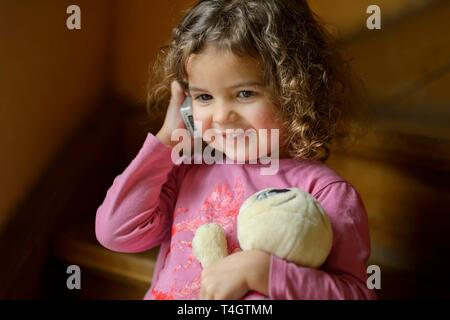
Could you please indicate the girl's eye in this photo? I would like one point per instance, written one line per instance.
(203, 97)
(245, 94)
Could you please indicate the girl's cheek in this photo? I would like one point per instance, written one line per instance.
(263, 119)
(202, 117)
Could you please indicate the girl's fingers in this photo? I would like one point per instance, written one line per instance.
(173, 118)
(204, 294)
(177, 94)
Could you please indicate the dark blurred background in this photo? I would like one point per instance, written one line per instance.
(72, 116)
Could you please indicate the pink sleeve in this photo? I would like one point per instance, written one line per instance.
(137, 211)
(343, 275)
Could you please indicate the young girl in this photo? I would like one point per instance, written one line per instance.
(247, 65)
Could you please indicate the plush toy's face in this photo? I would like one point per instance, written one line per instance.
(270, 192)
(288, 223)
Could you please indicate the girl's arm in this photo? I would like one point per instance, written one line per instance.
(343, 276)
(137, 211)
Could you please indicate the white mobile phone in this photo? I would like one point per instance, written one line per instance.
(186, 114)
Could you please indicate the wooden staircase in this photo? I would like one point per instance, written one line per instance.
(105, 274)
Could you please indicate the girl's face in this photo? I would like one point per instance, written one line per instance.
(227, 93)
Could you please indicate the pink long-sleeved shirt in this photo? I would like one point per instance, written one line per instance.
(156, 202)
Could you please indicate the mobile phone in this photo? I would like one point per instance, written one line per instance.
(186, 114)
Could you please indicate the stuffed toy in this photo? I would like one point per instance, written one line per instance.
(288, 223)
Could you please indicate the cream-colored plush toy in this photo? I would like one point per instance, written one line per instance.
(288, 223)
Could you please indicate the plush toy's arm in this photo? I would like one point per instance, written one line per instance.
(343, 276)
(209, 244)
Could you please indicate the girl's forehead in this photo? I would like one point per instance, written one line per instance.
(212, 57)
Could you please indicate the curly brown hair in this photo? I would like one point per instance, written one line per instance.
(303, 70)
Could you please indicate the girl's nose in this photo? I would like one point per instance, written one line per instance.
(223, 114)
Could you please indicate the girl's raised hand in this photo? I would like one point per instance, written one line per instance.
(173, 118)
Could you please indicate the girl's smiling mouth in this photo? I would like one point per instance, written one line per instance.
(232, 133)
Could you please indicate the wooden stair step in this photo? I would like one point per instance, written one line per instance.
(79, 246)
